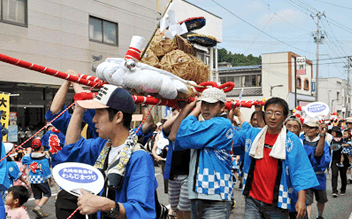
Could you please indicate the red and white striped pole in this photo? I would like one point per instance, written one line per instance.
(81, 79)
(94, 81)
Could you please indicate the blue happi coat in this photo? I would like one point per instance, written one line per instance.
(319, 163)
(39, 168)
(297, 172)
(213, 140)
(62, 122)
(4, 179)
(14, 171)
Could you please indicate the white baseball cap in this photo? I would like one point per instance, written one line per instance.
(213, 95)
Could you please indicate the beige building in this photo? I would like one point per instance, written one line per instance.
(279, 69)
(63, 35)
(334, 92)
(273, 78)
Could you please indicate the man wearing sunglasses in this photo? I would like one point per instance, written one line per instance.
(318, 153)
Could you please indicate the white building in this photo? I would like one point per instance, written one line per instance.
(273, 78)
(334, 92)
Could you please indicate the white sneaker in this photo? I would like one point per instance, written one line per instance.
(335, 195)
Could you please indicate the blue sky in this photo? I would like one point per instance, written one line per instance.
(288, 21)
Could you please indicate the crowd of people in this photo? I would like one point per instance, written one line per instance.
(202, 149)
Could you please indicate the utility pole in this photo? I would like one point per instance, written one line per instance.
(296, 104)
(349, 87)
(318, 39)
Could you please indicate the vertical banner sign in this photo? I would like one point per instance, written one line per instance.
(5, 111)
(301, 65)
(12, 136)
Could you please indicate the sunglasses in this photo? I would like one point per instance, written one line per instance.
(348, 123)
(309, 127)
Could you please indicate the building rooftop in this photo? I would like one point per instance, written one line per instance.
(240, 67)
(255, 91)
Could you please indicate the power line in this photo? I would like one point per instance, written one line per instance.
(309, 10)
(334, 5)
(264, 42)
(334, 34)
(336, 45)
(259, 34)
(297, 8)
(340, 26)
(282, 63)
(334, 64)
(269, 6)
(258, 28)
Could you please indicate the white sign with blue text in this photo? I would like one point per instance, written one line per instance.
(73, 176)
(317, 109)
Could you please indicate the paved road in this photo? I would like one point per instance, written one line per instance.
(336, 208)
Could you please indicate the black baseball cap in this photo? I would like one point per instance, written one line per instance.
(111, 96)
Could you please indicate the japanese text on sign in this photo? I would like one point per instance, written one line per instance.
(78, 175)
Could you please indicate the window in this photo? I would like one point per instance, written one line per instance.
(243, 81)
(298, 82)
(225, 79)
(306, 84)
(338, 97)
(237, 81)
(251, 81)
(103, 31)
(13, 12)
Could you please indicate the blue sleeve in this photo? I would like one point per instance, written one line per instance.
(3, 173)
(241, 136)
(60, 123)
(62, 138)
(26, 160)
(2, 209)
(140, 188)
(139, 133)
(44, 140)
(321, 163)
(46, 168)
(302, 175)
(168, 157)
(3, 169)
(14, 171)
(83, 151)
(214, 133)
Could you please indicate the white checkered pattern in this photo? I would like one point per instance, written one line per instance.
(214, 184)
(284, 197)
(36, 179)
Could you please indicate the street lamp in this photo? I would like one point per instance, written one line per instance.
(272, 87)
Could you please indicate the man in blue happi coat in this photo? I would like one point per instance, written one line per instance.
(319, 156)
(275, 162)
(130, 187)
(210, 178)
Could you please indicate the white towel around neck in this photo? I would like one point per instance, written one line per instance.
(278, 150)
